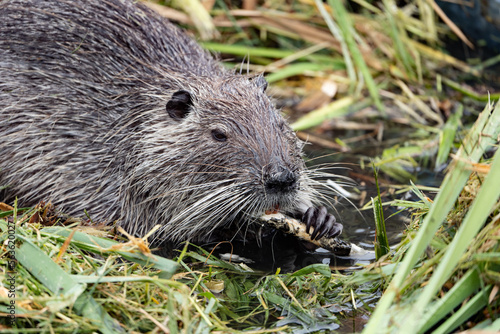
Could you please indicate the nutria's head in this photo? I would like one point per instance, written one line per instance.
(220, 151)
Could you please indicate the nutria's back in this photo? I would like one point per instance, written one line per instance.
(116, 35)
(106, 107)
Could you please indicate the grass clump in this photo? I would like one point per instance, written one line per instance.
(96, 284)
(66, 280)
(434, 263)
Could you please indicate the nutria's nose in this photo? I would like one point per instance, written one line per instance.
(282, 181)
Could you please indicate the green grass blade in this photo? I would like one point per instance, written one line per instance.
(241, 50)
(316, 117)
(347, 28)
(423, 198)
(90, 309)
(334, 29)
(104, 246)
(474, 220)
(441, 308)
(381, 242)
(47, 271)
(199, 15)
(11, 212)
(467, 92)
(381, 247)
(482, 135)
(62, 284)
(395, 161)
(319, 268)
(447, 136)
(495, 326)
(396, 34)
(295, 69)
(474, 305)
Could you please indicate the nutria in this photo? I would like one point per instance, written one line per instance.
(109, 108)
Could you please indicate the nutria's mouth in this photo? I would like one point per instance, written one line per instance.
(273, 210)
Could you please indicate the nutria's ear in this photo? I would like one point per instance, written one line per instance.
(179, 105)
(260, 82)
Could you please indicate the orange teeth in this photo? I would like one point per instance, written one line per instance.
(274, 210)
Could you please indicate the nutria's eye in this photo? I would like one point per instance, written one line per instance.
(219, 135)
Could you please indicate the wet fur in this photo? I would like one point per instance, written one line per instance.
(83, 122)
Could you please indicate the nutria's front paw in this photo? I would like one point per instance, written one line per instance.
(324, 224)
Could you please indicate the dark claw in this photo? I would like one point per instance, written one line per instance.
(320, 225)
(327, 226)
(336, 230)
(320, 216)
(324, 224)
(308, 218)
